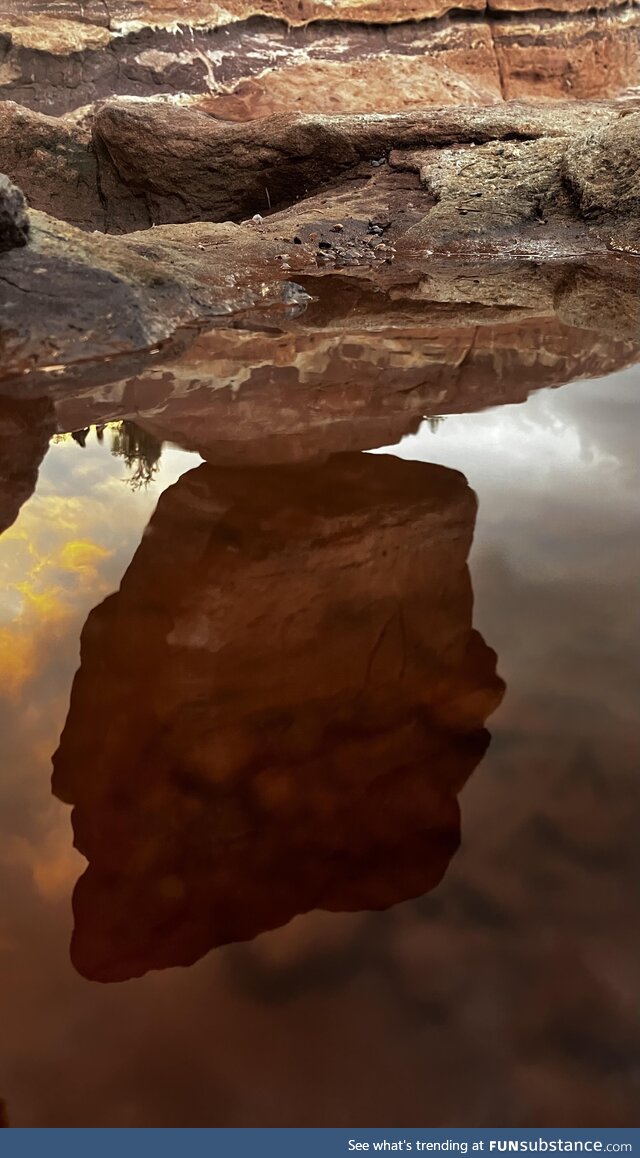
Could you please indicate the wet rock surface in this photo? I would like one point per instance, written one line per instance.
(80, 304)
(355, 312)
(250, 783)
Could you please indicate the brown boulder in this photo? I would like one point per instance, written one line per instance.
(53, 162)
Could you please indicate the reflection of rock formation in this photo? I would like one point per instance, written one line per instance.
(360, 366)
(391, 246)
(296, 396)
(277, 710)
(25, 430)
(360, 369)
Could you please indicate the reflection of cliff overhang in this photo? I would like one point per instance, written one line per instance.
(356, 363)
(277, 710)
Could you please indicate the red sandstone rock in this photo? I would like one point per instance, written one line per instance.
(316, 56)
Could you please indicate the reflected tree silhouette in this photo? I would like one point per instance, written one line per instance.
(434, 421)
(140, 450)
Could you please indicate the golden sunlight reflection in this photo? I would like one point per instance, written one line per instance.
(67, 549)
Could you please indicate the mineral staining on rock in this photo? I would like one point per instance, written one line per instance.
(246, 59)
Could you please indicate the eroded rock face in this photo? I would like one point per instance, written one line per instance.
(190, 166)
(53, 162)
(247, 60)
(143, 163)
(605, 171)
(295, 696)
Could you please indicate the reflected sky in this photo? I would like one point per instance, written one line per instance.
(509, 993)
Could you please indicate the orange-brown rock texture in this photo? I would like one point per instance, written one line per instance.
(135, 164)
(249, 58)
(294, 695)
(287, 340)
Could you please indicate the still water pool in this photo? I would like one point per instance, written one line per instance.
(319, 892)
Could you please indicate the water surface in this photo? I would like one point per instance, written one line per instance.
(276, 719)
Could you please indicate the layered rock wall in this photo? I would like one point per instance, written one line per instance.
(249, 59)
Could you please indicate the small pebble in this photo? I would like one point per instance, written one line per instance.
(257, 219)
(337, 228)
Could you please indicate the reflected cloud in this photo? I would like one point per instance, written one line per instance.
(66, 548)
(44, 574)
